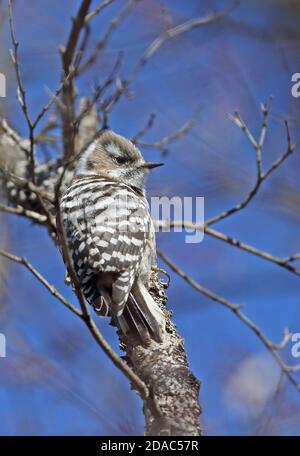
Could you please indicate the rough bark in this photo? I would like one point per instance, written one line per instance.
(165, 370)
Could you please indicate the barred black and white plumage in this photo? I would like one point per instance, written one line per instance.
(110, 235)
(97, 216)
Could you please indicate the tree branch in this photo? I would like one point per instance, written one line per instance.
(236, 309)
(67, 54)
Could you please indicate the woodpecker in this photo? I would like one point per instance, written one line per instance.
(110, 235)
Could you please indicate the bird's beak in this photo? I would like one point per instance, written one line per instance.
(151, 165)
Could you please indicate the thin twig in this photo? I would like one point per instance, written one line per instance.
(145, 129)
(22, 98)
(250, 249)
(97, 10)
(53, 98)
(99, 91)
(177, 31)
(156, 44)
(164, 142)
(19, 210)
(38, 275)
(290, 149)
(292, 258)
(13, 136)
(82, 47)
(196, 285)
(104, 40)
(261, 175)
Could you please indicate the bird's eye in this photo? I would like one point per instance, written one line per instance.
(120, 160)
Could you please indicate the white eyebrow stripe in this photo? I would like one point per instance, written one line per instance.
(113, 150)
(82, 164)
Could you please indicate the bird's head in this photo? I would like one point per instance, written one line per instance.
(115, 157)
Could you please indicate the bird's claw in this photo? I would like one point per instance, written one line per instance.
(67, 279)
(164, 273)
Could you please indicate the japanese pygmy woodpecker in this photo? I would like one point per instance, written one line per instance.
(110, 235)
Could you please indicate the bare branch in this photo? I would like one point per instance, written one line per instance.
(100, 89)
(164, 142)
(19, 210)
(78, 24)
(68, 54)
(21, 91)
(51, 288)
(104, 40)
(177, 31)
(11, 134)
(292, 258)
(250, 249)
(261, 175)
(196, 285)
(229, 240)
(270, 346)
(145, 129)
(239, 122)
(165, 36)
(291, 148)
(53, 98)
(97, 10)
(284, 341)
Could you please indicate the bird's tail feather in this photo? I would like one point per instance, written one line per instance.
(142, 317)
